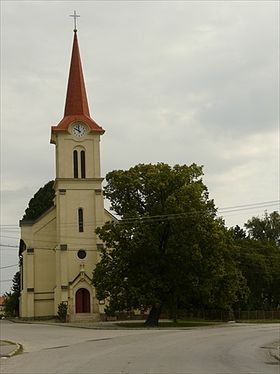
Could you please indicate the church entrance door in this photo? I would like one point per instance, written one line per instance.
(82, 301)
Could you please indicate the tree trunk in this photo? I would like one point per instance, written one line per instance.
(153, 316)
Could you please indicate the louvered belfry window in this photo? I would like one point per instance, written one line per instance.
(75, 163)
(83, 164)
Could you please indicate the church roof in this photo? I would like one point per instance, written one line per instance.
(76, 98)
(76, 104)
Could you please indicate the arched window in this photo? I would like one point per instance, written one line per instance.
(83, 164)
(81, 219)
(75, 163)
(79, 163)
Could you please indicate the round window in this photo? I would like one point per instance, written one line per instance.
(82, 254)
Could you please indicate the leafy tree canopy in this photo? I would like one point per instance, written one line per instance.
(258, 256)
(168, 247)
(266, 228)
(40, 202)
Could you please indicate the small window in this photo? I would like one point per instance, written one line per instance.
(81, 220)
(83, 164)
(81, 254)
(75, 163)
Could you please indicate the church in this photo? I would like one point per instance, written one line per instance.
(60, 249)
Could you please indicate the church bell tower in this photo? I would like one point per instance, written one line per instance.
(60, 249)
(78, 195)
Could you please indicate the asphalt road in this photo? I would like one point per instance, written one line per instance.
(214, 350)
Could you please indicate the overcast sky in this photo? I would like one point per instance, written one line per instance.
(177, 82)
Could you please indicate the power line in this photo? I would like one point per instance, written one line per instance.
(96, 250)
(142, 219)
(9, 246)
(222, 210)
(273, 202)
(14, 235)
(8, 266)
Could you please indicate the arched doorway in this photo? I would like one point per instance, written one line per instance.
(82, 299)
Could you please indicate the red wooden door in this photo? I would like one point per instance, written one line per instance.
(82, 301)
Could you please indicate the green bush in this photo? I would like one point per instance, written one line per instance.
(11, 304)
(62, 311)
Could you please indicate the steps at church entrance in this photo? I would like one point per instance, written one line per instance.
(85, 317)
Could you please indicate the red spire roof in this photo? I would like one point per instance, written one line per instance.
(76, 104)
(76, 98)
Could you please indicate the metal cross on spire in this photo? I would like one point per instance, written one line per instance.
(75, 16)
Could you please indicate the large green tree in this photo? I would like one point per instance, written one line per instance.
(168, 246)
(40, 202)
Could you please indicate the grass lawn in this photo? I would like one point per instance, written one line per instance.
(192, 323)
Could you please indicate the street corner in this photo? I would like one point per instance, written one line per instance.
(9, 348)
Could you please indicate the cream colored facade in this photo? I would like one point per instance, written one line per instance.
(51, 271)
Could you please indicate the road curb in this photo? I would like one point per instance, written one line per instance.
(275, 353)
(18, 348)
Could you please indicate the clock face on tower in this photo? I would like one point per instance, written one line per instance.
(79, 129)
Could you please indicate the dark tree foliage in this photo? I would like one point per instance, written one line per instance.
(266, 228)
(169, 248)
(12, 298)
(258, 256)
(40, 202)
(16, 283)
(238, 233)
